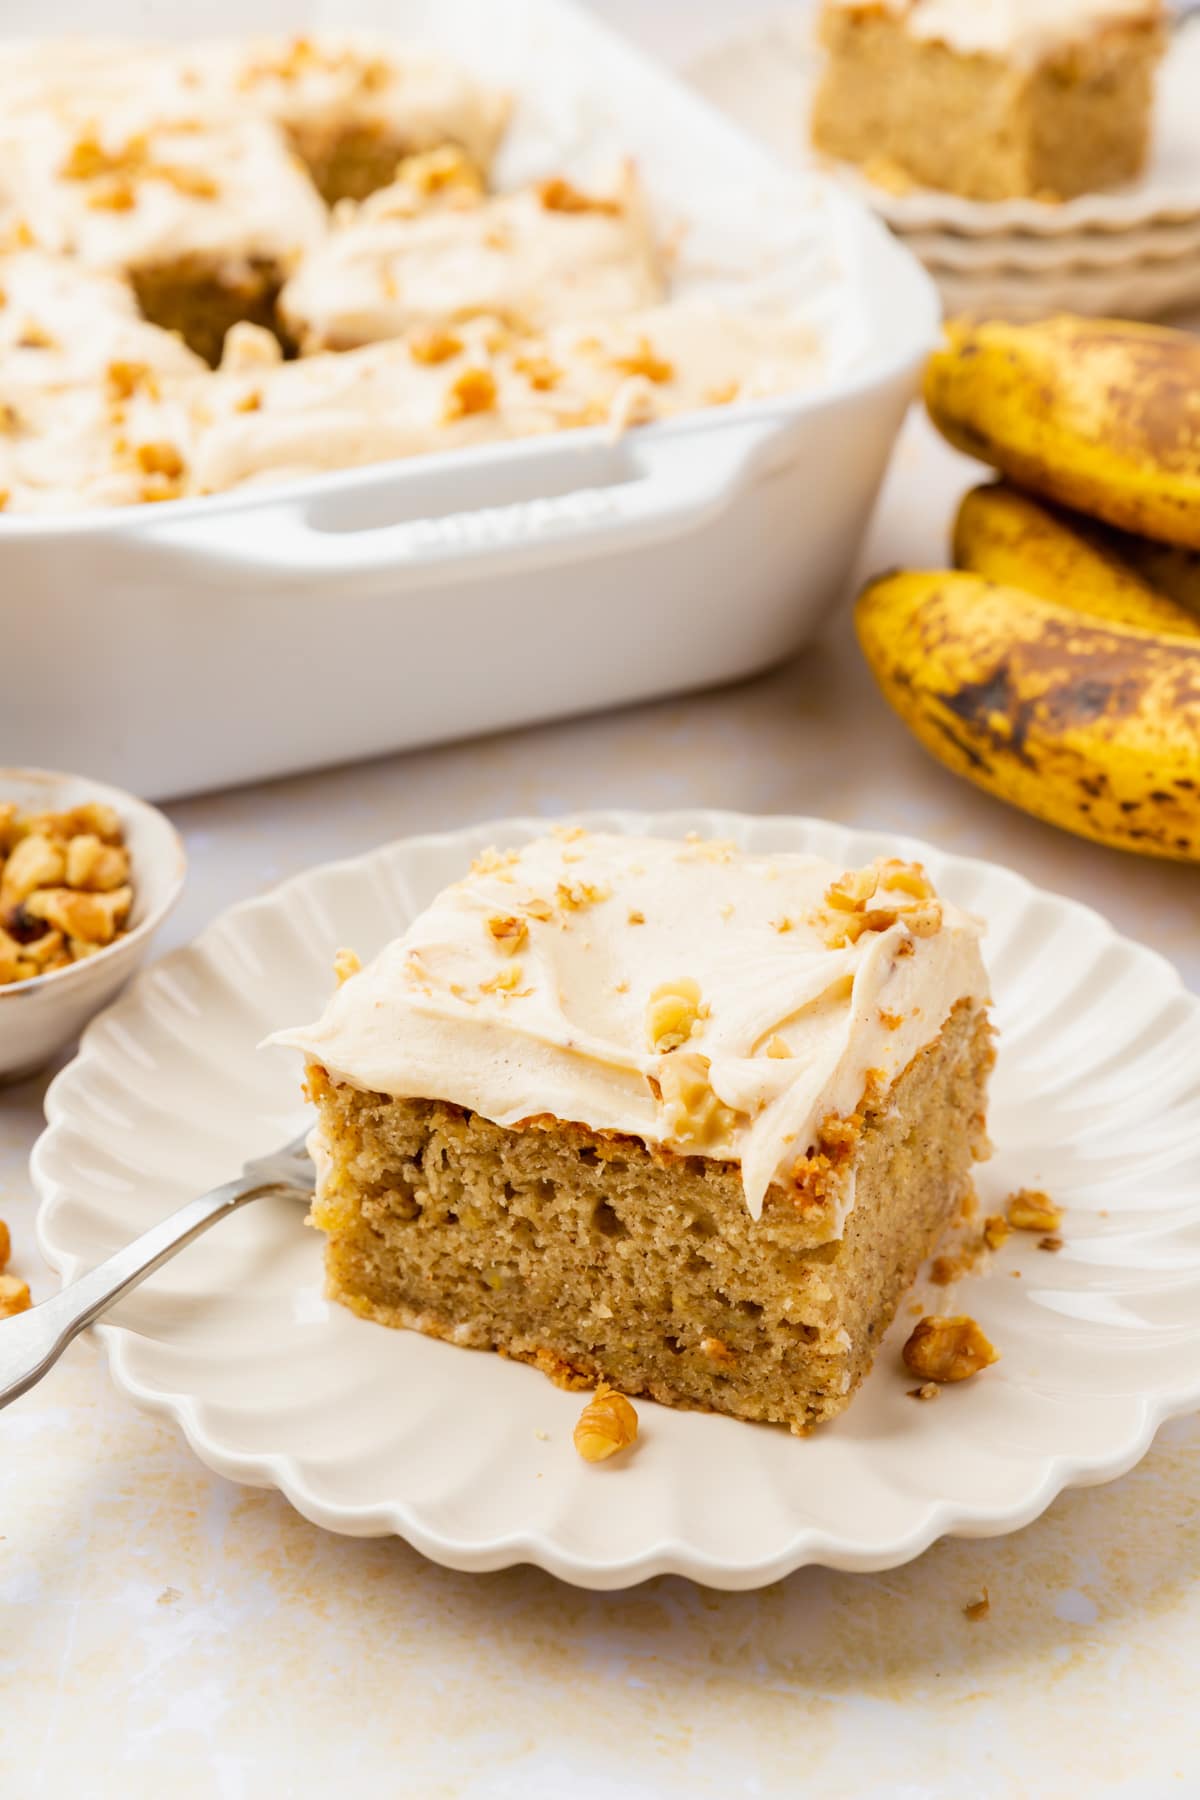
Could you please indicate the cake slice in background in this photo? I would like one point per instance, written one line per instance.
(655, 1112)
(991, 99)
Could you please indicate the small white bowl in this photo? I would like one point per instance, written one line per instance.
(38, 1017)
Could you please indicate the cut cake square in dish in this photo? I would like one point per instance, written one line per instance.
(353, 105)
(660, 1113)
(433, 249)
(1040, 98)
(205, 217)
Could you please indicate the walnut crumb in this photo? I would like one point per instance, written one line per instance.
(474, 391)
(345, 964)
(607, 1424)
(1051, 1242)
(947, 1349)
(1031, 1210)
(890, 1021)
(14, 1296)
(672, 1014)
(559, 195)
(978, 1609)
(637, 917)
(995, 1230)
(508, 931)
(436, 345)
(928, 1390)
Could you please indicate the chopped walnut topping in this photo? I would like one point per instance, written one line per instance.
(672, 1015)
(607, 1424)
(645, 361)
(928, 1390)
(493, 862)
(1051, 1242)
(505, 981)
(978, 1609)
(250, 401)
(636, 916)
(14, 1296)
(474, 391)
(64, 888)
(1031, 1210)
(995, 1230)
(345, 964)
(890, 1021)
(558, 195)
(943, 1349)
(694, 1113)
(436, 345)
(125, 379)
(541, 374)
(782, 925)
(444, 170)
(537, 908)
(160, 459)
(509, 932)
(574, 896)
(847, 916)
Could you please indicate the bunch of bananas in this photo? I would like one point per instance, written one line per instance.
(1058, 664)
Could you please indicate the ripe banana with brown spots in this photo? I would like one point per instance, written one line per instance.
(1098, 414)
(1012, 539)
(1087, 723)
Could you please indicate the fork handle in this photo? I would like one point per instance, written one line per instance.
(31, 1342)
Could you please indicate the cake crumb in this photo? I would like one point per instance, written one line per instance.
(1029, 1209)
(607, 1424)
(14, 1296)
(978, 1609)
(543, 1437)
(947, 1349)
(345, 964)
(995, 1230)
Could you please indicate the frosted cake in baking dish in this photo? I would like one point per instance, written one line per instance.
(246, 330)
(656, 1112)
(990, 98)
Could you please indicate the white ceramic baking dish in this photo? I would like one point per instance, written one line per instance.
(201, 643)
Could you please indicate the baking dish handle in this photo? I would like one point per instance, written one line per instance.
(664, 486)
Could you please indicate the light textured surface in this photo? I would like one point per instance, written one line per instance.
(166, 1632)
(182, 1632)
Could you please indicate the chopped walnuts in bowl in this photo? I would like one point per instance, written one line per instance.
(65, 887)
(88, 873)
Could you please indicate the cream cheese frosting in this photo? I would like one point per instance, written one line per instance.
(533, 258)
(477, 383)
(1023, 29)
(149, 186)
(61, 323)
(683, 993)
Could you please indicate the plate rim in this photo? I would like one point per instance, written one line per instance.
(809, 1544)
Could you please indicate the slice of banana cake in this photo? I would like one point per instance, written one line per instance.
(1041, 98)
(655, 1112)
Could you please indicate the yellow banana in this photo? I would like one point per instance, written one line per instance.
(1019, 542)
(1091, 725)
(1098, 414)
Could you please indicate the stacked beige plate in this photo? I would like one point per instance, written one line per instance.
(1133, 252)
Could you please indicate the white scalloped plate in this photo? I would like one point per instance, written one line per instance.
(469, 1457)
(764, 77)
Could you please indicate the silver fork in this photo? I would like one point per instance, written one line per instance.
(32, 1342)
